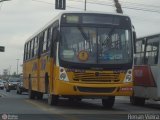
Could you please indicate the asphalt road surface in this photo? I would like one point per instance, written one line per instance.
(19, 107)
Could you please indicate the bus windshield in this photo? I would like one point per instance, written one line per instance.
(96, 45)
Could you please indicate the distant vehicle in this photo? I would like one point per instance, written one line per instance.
(1, 85)
(4, 81)
(12, 84)
(20, 88)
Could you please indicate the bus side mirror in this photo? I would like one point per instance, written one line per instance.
(54, 40)
(55, 35)
(134, 41)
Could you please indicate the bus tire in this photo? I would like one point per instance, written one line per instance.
(31, 93)
(39, 95)
(46, 83)
(53, 99)
(137, 100)
(74, 99)
(108, 102)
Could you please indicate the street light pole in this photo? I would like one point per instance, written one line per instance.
(85, 5)
(17, 65)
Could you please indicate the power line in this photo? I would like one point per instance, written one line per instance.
(138, 4)
(92, 2)
(111, 1)
(104, 4)
(54, 4)
(42, 1)
(141, 4)
(126, 7)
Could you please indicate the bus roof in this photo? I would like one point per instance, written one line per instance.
(87, 12)
(149, 36)
(61, 13)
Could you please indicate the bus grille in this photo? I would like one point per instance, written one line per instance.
(96, 90)
(96, 77)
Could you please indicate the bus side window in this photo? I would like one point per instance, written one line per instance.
(157, 55)
(54, 34)
(139, 57)
(49, 38)
(45, 41)
(32, 48)
(152, 53)
(29, 49)
(53, 41)
(41, 40)
(36, 47)
(25, 52)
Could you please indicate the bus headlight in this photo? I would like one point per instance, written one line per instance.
(63, 76)
(128, 77)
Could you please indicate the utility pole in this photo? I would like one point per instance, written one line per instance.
(17, 65)
(118, 6)
(85, 5)
(9, 70)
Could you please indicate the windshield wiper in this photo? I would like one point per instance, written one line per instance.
(85, 36)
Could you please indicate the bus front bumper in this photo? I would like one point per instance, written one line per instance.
(67, 88)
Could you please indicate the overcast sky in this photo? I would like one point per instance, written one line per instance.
(19, 19)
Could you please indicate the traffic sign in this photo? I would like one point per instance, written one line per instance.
(60, 4)
(2, 48)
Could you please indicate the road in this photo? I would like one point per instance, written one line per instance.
(19, 107)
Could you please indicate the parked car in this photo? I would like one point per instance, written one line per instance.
(12, 84)
(1, 85)
(20, 88)
(4, 81)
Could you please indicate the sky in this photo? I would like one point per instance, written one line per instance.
(19, 19)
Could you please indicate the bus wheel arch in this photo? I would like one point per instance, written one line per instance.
(39, 95)
(53, 99)
(46, 82)
(137, 100)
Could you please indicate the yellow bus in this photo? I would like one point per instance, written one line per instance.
(81, 55)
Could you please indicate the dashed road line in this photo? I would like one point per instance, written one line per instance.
(3, 94)
(50, 111)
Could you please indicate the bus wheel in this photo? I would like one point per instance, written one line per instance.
(39, 95)
(31, 93)
(108, 102)
(52, 99)
(137, 100)
(74, 99)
